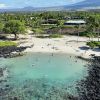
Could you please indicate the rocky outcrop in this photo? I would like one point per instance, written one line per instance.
(11, 51)
(3, 74)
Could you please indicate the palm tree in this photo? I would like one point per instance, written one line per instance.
(97, 25)
(91, 25)
(1, 27)
(77, 27)
(60, 25)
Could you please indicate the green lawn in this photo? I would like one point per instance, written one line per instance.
(7, 43)
(55, 36)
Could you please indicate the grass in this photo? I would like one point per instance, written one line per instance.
(7, 43)
(50, 36)
(55, 36)
(38, 30)
(94, 44)
(42, 36)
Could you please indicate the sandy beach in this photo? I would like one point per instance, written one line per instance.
(67, 44)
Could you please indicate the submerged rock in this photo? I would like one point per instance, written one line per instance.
(3, 73)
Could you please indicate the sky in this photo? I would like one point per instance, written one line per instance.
(34, 3)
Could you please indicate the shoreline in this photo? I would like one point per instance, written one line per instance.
(65, 45)
(60, 52)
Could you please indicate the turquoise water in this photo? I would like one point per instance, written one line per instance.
(38, 76)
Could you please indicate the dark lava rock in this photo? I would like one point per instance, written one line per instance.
(1, 72)
(7, 85)
(6, 51)
(13, 98)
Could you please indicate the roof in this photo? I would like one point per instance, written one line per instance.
(76, 21)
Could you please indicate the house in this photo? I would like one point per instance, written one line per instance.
(50, 21)
(75, 22)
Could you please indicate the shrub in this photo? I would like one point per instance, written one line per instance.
(93, 44)
(87, 34)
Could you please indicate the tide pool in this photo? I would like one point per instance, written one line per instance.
(39, 76)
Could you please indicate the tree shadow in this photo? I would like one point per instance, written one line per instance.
(4, 38)
(96, 49)
(87, 48)
(84, 48)
(43, 36)
(11, 39)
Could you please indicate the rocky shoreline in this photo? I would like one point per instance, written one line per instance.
(11, 51)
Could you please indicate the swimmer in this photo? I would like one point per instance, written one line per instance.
(76, 61)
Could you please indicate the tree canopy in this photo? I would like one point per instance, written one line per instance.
(14, 27)
(1, 27)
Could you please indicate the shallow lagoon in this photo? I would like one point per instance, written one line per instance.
(38, 76)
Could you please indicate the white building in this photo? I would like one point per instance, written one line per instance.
(75, 22)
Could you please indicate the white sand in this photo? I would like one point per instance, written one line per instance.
(67, 44)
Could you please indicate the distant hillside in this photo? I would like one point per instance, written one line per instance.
(87, 5)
